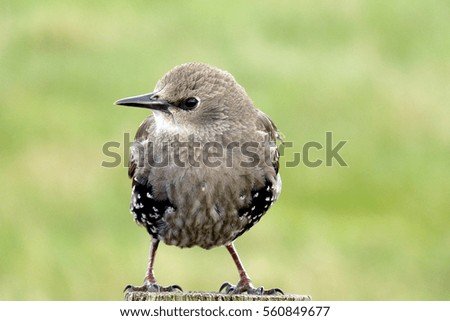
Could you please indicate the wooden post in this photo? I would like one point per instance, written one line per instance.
(210, 296)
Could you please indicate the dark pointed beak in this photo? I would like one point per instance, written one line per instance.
(151, 101)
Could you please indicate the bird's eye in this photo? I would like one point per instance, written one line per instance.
(190, 103)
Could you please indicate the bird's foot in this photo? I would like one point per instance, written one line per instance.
(249, 288)
(152, 287)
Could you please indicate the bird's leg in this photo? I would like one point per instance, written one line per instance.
(150, 284)
(244, 279)
(244, 284)
(150, 275)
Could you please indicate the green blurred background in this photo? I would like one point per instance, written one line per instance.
(375, 73)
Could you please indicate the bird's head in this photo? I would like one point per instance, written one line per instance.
(195, 97)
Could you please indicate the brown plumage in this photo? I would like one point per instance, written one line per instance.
(204, 166)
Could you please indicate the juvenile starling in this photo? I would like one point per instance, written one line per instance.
(204, 166)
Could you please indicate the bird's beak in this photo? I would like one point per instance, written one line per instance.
(151, 101)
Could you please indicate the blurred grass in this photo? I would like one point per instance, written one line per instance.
(375, 73)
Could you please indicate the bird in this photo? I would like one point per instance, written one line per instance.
(204, 167)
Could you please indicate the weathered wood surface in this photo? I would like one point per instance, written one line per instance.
(210, 296)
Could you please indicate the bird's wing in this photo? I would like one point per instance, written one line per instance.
(139, 138)
(262, 198)
(265, 124)
(260, 202)
(147, 208)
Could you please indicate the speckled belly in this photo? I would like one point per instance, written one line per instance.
(207, 228)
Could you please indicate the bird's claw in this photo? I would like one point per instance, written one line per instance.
(152, 287)
(238, 289)
(228, 287)
(274, 291)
